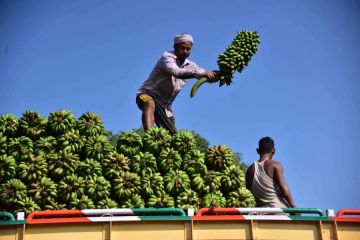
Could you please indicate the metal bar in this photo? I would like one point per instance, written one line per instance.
(7, 215)
(343, 212)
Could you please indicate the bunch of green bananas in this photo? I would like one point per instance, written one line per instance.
(45, 145)
(61, 121)
(129, 143)
(62, 164)
(156, 139)
(71, 141)
(84, 202)
(198, 184)
(213, 200)
(90, 124)
(89, 167)
(160, 199)
(151, 183)
(98, 147)
(169, 159)
(242, 197)
(69, 166)
(213, 180)
(183, 141)
(54, 205)
(32, 124)
(3, 143)
(26, 204)
(176, 181)
(144, 163)
(135, 201)
(11, 191)
(114, 163)
(236, 57)
(8, 167)
(126, 184)
(194, 162)
(188, 199)
(106, 203)
(43, 191)
(20, 146)
(71, 187)
(219, 157)
(97, 187)
(32, 168)
(9, 125)
(233, 178)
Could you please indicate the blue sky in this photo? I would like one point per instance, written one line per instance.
(301, 87)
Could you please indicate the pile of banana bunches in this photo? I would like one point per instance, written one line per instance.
(237, 55)
(61, 162)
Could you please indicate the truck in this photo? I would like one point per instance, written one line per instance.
(176, 224)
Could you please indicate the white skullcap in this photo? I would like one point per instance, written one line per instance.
(183, 38)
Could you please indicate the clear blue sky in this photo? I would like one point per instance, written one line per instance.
(301, 88)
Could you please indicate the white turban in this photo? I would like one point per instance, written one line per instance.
(183, 38)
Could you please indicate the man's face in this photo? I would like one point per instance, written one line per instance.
(182, 50)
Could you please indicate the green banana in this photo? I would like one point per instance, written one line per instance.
(196, 86)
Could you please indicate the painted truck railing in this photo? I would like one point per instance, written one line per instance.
(173, 224)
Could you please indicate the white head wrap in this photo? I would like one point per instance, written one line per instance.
(183, 38)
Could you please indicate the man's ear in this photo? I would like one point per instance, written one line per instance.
(258, 151)
(273, 151)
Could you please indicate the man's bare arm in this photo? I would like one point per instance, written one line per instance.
(249, 177)
(279, 177)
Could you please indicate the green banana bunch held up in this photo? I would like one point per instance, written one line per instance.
(236, 57)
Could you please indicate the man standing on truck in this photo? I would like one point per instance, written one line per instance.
(265, 179)
(170, 74)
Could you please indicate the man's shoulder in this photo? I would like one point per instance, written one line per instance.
(250, 168)
(274, 163)
(167, 54)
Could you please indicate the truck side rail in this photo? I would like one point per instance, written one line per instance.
(261, 214)
(106, 215)
(343, 215)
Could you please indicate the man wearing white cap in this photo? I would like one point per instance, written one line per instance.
(168, 77)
